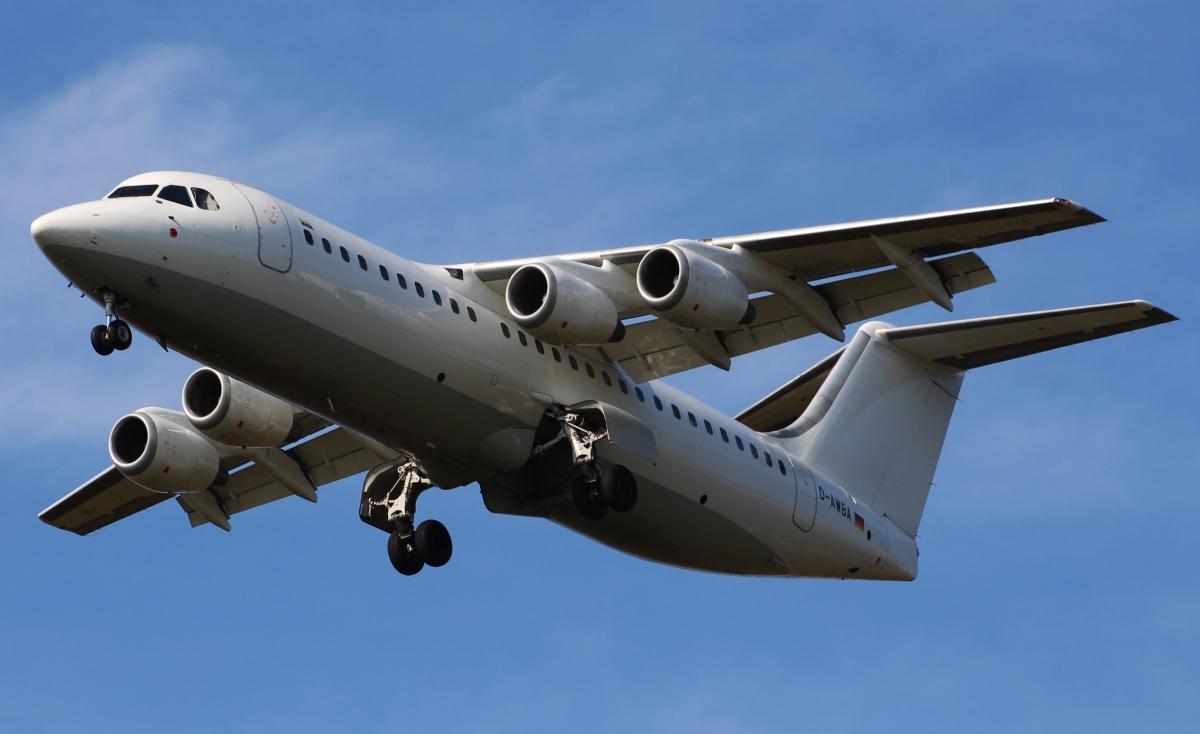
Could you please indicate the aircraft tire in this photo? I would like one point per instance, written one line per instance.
(619, 488)
(120, 335)
(589, 503)
(403, 556)
(433, 543)
(100, 341)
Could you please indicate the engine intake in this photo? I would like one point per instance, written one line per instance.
(692, 291)
(157, 453)
(560, 308)
(232, 412)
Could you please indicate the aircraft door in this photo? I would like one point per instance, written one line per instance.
(274, 233)
(805, 513)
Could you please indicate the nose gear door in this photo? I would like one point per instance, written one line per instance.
(274, 232)
(805, 513)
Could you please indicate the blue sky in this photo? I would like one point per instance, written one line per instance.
(1058, 587)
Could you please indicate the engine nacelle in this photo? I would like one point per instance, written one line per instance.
(692, 291)
(234, 413)
(162, 455)
(560, 308)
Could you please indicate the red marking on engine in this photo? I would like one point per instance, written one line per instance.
(166, 469)
(240, 423)
(564, 325)
(696, 307)
(174, 232)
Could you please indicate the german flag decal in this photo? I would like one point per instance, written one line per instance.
(859, 522)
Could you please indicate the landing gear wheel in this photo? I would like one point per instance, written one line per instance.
(101, 342)
(588, 500)
(403, 556)
(433, 543)
(120, 335)
(619, 488)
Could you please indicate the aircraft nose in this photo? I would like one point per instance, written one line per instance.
(70, 225)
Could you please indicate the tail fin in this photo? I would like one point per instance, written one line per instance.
(875, 421)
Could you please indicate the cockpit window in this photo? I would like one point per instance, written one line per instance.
(176, 194)
(207, 201)
(125, 192)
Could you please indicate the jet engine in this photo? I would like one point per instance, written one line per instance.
(560, 308)
(692, 291)
(234, 413)
(162, 455)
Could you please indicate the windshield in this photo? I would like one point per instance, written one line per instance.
(139, 190)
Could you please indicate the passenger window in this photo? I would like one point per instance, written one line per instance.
(781, 469)
(708, 427)
(328, 247)
(574, 364)
(657, 403)
(754, 451)
(307, 236)
(208, 202)
(437, 297)
(537, 343)
(624, 387)
(724, 436)
(675, 412)
(176, 194)
(127, 192)
(471, 314)
(692, 419)
(401, 281)
(521, 337)
(641, 396)
(504, 328)
(419, 289)
(345, 254)
(768, 458)
(557, 356)
(362, 262)
(591, 372)
(607, 379)
(454, 305)
(383, 273)
(738, 439)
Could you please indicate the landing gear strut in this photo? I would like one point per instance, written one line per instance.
(596, 490)
(114, 333)
(409, 548)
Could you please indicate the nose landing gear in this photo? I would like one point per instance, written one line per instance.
(114, 333)
(394, 509)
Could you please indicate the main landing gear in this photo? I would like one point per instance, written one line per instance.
(596, 490)
(409, 549)
(114, 333)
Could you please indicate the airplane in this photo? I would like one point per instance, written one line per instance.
(324, 356)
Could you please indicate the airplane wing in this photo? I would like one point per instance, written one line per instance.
(109, 496)
(654, 349)
(966, 345)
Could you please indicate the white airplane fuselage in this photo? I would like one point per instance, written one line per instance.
(436, 367)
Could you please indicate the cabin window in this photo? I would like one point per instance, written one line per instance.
(607, 379)
(708, 427)
(362, 262)
(657, 403)
(437, 297)
(784, 473)
(208, 202)
(401, 281)
(454, 305)
(754, 451)
(383, 273)
(176, 195)
(767, 456)
(537, 343)
(417, 287)
(328, 247)
(738, 440)
(308, 237)
(557, 356)
(504, 329)
(574, 364)
(675, 412)
(471, 314)
(692, 419)
(521, 337)
(591, 372)
(345, 254)
(624, 387)
(724, 436)
(641, 396)
(128, 192)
